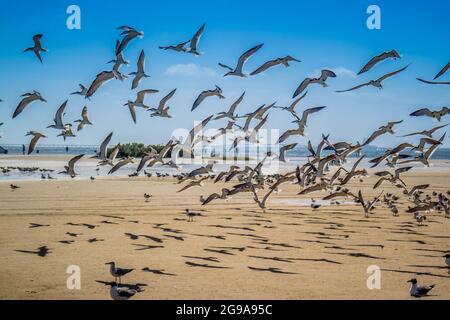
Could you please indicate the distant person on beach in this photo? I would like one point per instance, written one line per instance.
(67, 149)
(23, 149)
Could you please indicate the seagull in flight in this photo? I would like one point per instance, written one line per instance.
(120, 164)
(130, 34)
(385, 55)
(82, 92)
(103, 152)
(37, 48)
(428, 133)
(140, 73)
(301, 124)
(84, 119)
(100, 79)
(118, 62)
(70, 168)
(272, 63)
(29, 98)
(324, 75)
(241, 61)
(58, 120)
(179, 47)
(163, 110)
(294, 104)
(193, 43)
(438, 114)
(376, 83)
(433, 82)
(139, 102)
(36, 136)
(230, 113)
(207, 93)
(444, 70)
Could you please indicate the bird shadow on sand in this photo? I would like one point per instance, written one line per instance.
(271, 269)
(133, 286)
(179, 238)
(193, 264)
(231, 227)
(417, 273)
(219, 251)
(41, 251)
(211, 259)
(146, 247)
(158, 272)
(357, 255)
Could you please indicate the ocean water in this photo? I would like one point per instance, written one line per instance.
(218, 151)
(56, 157)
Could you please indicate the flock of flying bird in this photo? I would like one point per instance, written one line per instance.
(324, 170)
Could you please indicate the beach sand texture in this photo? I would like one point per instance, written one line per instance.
(318, 254)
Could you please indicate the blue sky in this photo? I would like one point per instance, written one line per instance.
(323, 34)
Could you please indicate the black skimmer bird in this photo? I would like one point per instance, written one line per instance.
(419, 291)
(37, 48)
(383, 56)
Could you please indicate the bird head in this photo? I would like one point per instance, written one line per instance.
(110, 263)
(413, 281)
(447, 255)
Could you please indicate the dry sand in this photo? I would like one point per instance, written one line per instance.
(326, 251)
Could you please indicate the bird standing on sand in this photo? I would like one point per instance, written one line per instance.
(190, 215)
(118, 293)
(117, 272)
(447, 259)
(419, 291)
(37, 48)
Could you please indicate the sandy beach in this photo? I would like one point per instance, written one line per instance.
(224, 254)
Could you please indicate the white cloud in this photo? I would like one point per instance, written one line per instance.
(340, 72)
(189, 70)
